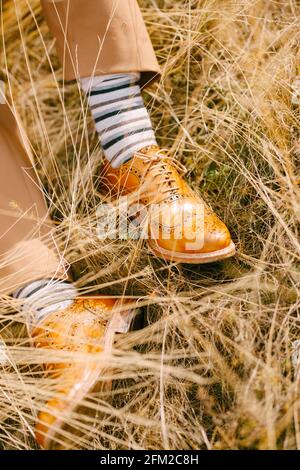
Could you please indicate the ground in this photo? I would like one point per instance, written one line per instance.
(211, 369)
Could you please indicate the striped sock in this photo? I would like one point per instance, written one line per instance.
(39, 298)
(120, 116)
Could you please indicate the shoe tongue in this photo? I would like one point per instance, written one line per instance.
(149, 150)
(146, 154)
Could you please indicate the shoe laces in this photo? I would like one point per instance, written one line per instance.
(160, 162)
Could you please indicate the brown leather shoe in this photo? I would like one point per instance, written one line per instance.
(179, 225)
(87, 327)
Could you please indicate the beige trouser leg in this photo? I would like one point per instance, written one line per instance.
(96, 37)
(27, 248)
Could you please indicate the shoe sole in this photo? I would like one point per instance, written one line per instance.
(199, 258)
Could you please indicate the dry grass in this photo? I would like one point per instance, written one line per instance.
(212, 368)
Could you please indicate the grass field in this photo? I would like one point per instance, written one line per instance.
(212, 368)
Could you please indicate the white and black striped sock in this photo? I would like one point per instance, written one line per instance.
(120, 116)
(45, 296)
